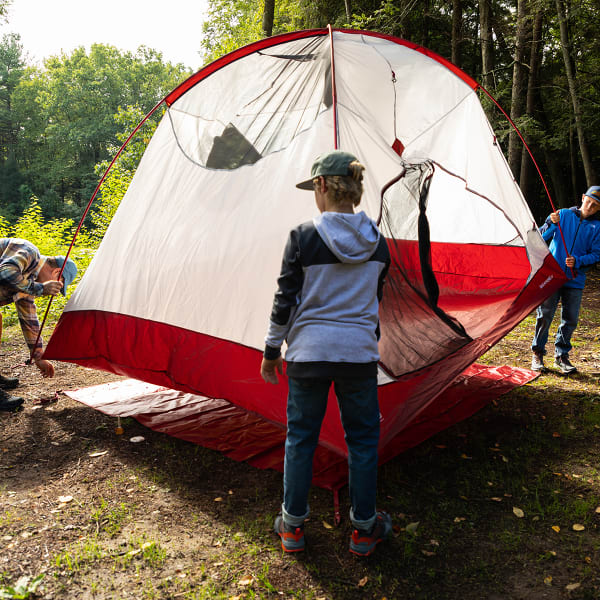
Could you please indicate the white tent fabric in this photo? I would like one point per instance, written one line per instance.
(189, 243)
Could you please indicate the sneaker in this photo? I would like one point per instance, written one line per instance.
(564, 364)
(292, 538)
(537, 362)
(9, 403)
(363, 543)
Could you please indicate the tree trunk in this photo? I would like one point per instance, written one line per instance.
(527, 171)
(572, 81)
(348, 10)
(456, 31)
(485, 37)
(518, 89)
(268, 17)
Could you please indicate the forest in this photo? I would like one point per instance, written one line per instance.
(61, 123)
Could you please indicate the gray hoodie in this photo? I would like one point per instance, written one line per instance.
(327, 302)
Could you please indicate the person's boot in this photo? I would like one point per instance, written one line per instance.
(8, 383)
(363, 543)
(9, 403)
(537, 362)
(564, 364)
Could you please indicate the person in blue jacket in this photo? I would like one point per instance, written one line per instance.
(581, 232)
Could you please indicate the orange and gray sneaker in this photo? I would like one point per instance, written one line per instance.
(292, 538)
(363, 543)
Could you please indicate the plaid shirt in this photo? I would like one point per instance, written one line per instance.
(20, 263)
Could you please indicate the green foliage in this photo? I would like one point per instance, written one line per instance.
(51, 238)
(63, 117)
(23, 589)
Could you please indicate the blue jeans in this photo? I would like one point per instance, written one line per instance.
(359, 410)
(570, 299)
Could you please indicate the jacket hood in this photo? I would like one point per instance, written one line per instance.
(351, 237)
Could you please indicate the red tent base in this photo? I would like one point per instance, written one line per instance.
(245, 436)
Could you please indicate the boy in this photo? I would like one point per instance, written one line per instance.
(581, 231)
(326, 307)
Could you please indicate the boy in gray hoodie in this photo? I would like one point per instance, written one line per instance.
(327, 308)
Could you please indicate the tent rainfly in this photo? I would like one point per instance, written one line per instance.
(180, 290)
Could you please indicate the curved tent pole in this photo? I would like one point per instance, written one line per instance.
(336, 135)
(526, 146)
(85, 212)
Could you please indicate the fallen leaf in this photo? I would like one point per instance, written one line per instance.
(572, 586)
(246, 581)
(556, 434)
(578, 527)
(556, 528)
(551, 552)
(95, 454)
(598, 510)
(441, 446)
(466, 457)
(427, 553)
(496, 499)
(548, 580)
(518, 512)
(136, 439)
(363, 581)
(396, 530)
(412, 527)
(588, 559)
(219, 499)
(65, 499)
(327, 525)
(459, 519)
(504, 458)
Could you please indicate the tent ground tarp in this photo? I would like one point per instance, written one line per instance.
(246, 436)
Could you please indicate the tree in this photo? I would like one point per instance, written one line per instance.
(572, 82)
(268, 16)
(67, 109)
(518, 87)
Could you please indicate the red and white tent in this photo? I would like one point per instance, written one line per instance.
(179, 292)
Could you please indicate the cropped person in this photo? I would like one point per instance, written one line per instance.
(326, 307)
(24, 276)
(581, 231)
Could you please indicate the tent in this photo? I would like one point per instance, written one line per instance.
(180, 291)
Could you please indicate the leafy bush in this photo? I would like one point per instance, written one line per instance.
(51, 238)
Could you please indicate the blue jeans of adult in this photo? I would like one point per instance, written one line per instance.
(359, 410)
(570, 299)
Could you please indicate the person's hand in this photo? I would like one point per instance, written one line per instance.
(570, 261)
(269, 368)
(52, 288)
(555, 217)
(46, 368)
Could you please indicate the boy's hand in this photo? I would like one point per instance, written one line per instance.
(570, 261)
(269, 368)
(555, 217)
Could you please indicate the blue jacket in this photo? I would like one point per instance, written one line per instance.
(582, 237)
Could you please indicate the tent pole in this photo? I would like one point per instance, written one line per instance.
(525, 145)
(85, 212)
(333, 92)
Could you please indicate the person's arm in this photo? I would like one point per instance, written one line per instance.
(284, 305)
(591, 257)
(12, 269)
(30, 327)
(548, 229)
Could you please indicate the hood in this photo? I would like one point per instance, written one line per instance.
(351, 237)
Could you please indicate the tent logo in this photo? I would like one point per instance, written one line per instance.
(546, 282)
